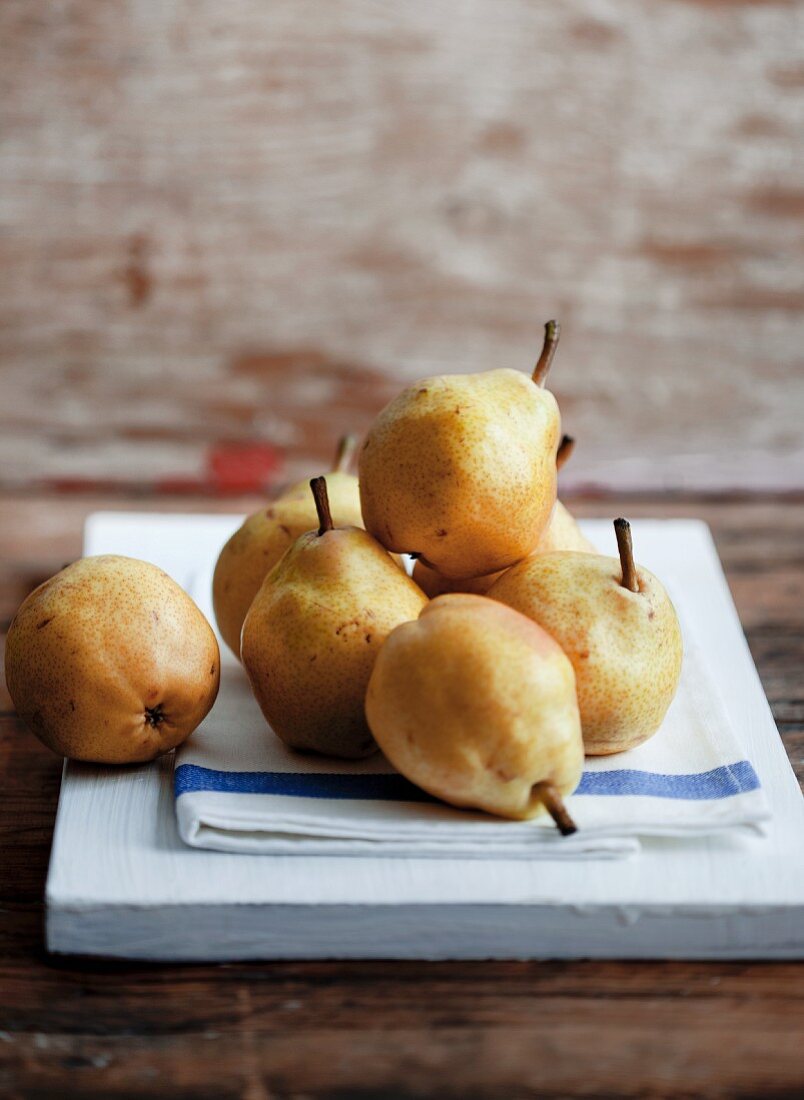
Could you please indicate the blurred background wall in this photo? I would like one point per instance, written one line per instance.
(230, 231)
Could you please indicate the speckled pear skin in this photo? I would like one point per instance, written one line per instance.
(110, 661)
(461, 470)
(474, 705)
(256, 547)
(313, 632)
(343, 492)
(625, 646)
(562, 533)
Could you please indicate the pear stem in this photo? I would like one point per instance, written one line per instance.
(321, 497)
(547, 793)
(565, 449)
(622, 529)
(552, 331)
(345, 453)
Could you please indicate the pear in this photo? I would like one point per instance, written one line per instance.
(110, 661)
(460, 469)
(562, 533)
(342, 487)
(314, 629)
(617, 625)
(262, 539)
(433, 584)
(474, 705)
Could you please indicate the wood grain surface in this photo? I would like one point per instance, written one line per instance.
(228, 232)
(392, 1030)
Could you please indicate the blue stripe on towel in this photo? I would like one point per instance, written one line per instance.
(377, 787)
(722, 782)
(719, 783)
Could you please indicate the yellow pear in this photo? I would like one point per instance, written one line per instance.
(476, 706)
(460, 469)
(262, 539)
(111, 661)
(562, 533)
(433, 584)
(615, 622)
(342, 487)
(314, 629)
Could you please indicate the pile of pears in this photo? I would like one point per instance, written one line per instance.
(513, 650)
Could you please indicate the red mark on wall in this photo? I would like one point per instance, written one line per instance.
(229, 468)
(242, 468)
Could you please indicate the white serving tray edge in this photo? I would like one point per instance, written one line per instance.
(121, 883)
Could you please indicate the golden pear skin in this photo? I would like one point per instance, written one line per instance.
(344, 498)
(110, 661)
(342, 487)
(313, 632)
(433, 584)
(617, 625)
(475, 706)
(562, 533)
(262, 539)
(461, 469)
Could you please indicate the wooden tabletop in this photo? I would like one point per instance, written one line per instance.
(390, 1029)
(229, 233)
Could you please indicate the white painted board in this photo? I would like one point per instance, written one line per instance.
(121, 882)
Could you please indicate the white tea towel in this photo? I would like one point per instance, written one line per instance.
(239, 789)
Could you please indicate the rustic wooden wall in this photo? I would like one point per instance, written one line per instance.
(229, 230)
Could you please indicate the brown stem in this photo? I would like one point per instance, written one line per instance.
(552, 331)
(565, 449)
(547, 793)
(319, 487)
(345, 453)
(622, 529)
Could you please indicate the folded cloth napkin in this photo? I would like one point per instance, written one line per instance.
(239, 789)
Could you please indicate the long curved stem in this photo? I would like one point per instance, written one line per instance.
(552, 331)
(622, 529)
(548, 794)
(321, 497)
